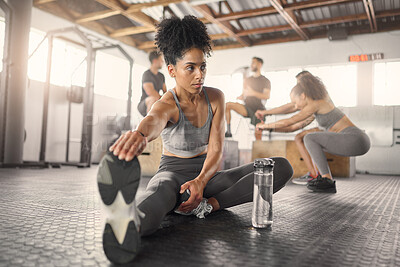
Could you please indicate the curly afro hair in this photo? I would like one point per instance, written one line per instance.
(175, 36)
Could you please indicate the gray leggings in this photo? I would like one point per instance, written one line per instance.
(349, 142)
(229, 187)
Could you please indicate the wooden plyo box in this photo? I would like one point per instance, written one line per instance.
(340, 166)
(230, 155)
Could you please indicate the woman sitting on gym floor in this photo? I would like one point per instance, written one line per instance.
(190, 119)
(341, 137)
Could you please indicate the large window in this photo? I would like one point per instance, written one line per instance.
(282, 83)
(111, 76)
(387, 83)
(68, 65)
(340, 81)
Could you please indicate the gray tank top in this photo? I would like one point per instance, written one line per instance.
(329, 119)
(183, 138)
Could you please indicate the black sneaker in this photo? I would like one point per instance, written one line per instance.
(322, 184)
(118, 181)
(228, 134)
(314, 180)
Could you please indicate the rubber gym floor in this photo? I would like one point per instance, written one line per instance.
(51, 217)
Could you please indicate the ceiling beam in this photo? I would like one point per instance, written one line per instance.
(388, 13)
(130, 31)
(310, 24)
(291, 21)
(247, 13)
(315, 3)
(151, 44)
(271, 10)
(369, 10)
(231, 11)
(278, 28)
(42, 2)
(139, 7)
(137, 16)
(224, 25)
(97, 15)
(61, 11)
(320, 35)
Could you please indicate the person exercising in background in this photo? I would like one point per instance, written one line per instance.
(299, 138)
(152, 82)
(339, 137)
(255, 89)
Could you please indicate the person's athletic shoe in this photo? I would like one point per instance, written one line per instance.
(314, 180)
(322, 184)
(118, 181)
(228, 134)
(303, 180)
(203, 209)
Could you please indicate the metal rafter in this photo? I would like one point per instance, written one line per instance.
(67, 14)
(271, 10)
(319, 35)
(369, 10)
(139, 7)
(224, 25)
(97, 15)
(133, 15)
(291, 21)
(151, 44)
(231, 11)
(42, 2)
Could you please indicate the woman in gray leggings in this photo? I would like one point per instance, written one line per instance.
(340, 136)
(190, 120)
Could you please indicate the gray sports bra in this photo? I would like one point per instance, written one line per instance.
(183, 138)
(329, 119)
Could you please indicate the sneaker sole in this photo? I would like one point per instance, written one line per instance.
(329, 190)
(118, 182)
(299, 182)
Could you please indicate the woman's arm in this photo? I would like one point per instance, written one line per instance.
(305, 113)
(214, 153)
(296, 126)
(284, 109)
(132, 143)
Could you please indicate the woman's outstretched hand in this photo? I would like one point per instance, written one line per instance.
(260, 114)
(196, 189)
(129, 145)
(262, 126)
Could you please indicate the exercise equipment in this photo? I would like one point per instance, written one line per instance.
(339, 166)
(83, 95)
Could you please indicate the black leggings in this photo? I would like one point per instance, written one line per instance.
(229, 187)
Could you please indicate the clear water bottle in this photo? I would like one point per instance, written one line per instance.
(263, 190)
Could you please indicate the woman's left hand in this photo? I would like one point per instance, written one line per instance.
(196, 189)
(262, 126)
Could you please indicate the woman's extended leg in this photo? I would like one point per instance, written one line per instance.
(159, 198)
(230, 188)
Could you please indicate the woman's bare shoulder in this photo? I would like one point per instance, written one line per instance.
(214, 93)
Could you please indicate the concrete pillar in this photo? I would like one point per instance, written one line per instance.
(15, 114)
(365, 84)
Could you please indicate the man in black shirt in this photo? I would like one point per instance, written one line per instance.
(255, 89)
(152, 82)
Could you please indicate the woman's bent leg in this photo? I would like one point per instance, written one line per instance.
(349, 142)
(242, 191)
